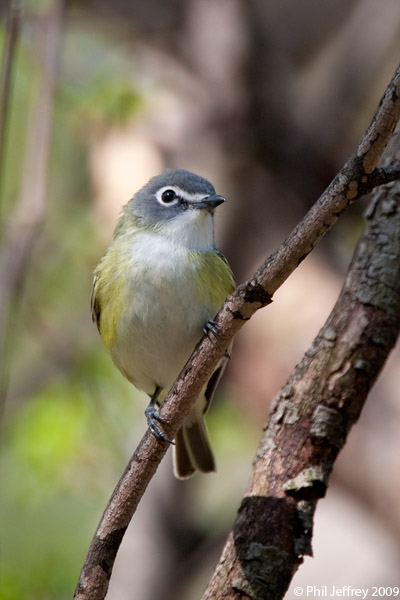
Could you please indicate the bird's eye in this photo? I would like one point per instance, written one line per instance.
(168, 196)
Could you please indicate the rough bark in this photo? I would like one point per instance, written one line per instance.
(312, 415)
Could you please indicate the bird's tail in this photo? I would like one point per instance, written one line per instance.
(192, 451)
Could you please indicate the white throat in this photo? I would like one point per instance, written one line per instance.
(194, 230)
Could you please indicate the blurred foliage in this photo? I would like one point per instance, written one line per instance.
(106, 102)
(60, 459)
(68, 411)
(16, 126)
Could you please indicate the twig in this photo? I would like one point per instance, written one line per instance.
(28, 214)
(347, 186)
(12, 31)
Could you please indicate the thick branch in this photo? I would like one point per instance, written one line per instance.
(239, 307)
(312, 416)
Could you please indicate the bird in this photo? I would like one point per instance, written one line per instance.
(156, 291)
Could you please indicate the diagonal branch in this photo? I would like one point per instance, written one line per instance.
(312, 415)
(350, 183)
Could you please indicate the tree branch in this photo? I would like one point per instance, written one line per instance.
(312, 415)
(348, 185)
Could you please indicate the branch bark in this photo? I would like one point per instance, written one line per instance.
(312, 415)
(354, 180)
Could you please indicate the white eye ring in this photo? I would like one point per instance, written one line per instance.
(168, 196)
(165, 196)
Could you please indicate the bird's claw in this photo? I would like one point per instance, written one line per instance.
(152, 417)
(210, 327)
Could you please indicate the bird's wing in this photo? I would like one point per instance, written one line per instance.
(95, 305)
(223, 257)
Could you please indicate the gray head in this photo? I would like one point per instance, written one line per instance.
(171, 194)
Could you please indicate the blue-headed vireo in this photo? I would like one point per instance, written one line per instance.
(159, 285)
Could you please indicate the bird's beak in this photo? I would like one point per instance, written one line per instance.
(209, 202)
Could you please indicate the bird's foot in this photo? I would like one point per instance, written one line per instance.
(153, 418)
(210, 327)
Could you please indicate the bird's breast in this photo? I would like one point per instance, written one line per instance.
(164, 313)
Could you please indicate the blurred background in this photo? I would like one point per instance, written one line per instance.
(266, 100)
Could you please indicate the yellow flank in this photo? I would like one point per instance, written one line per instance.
(214, 278)
(210, 281)
(110, 292)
